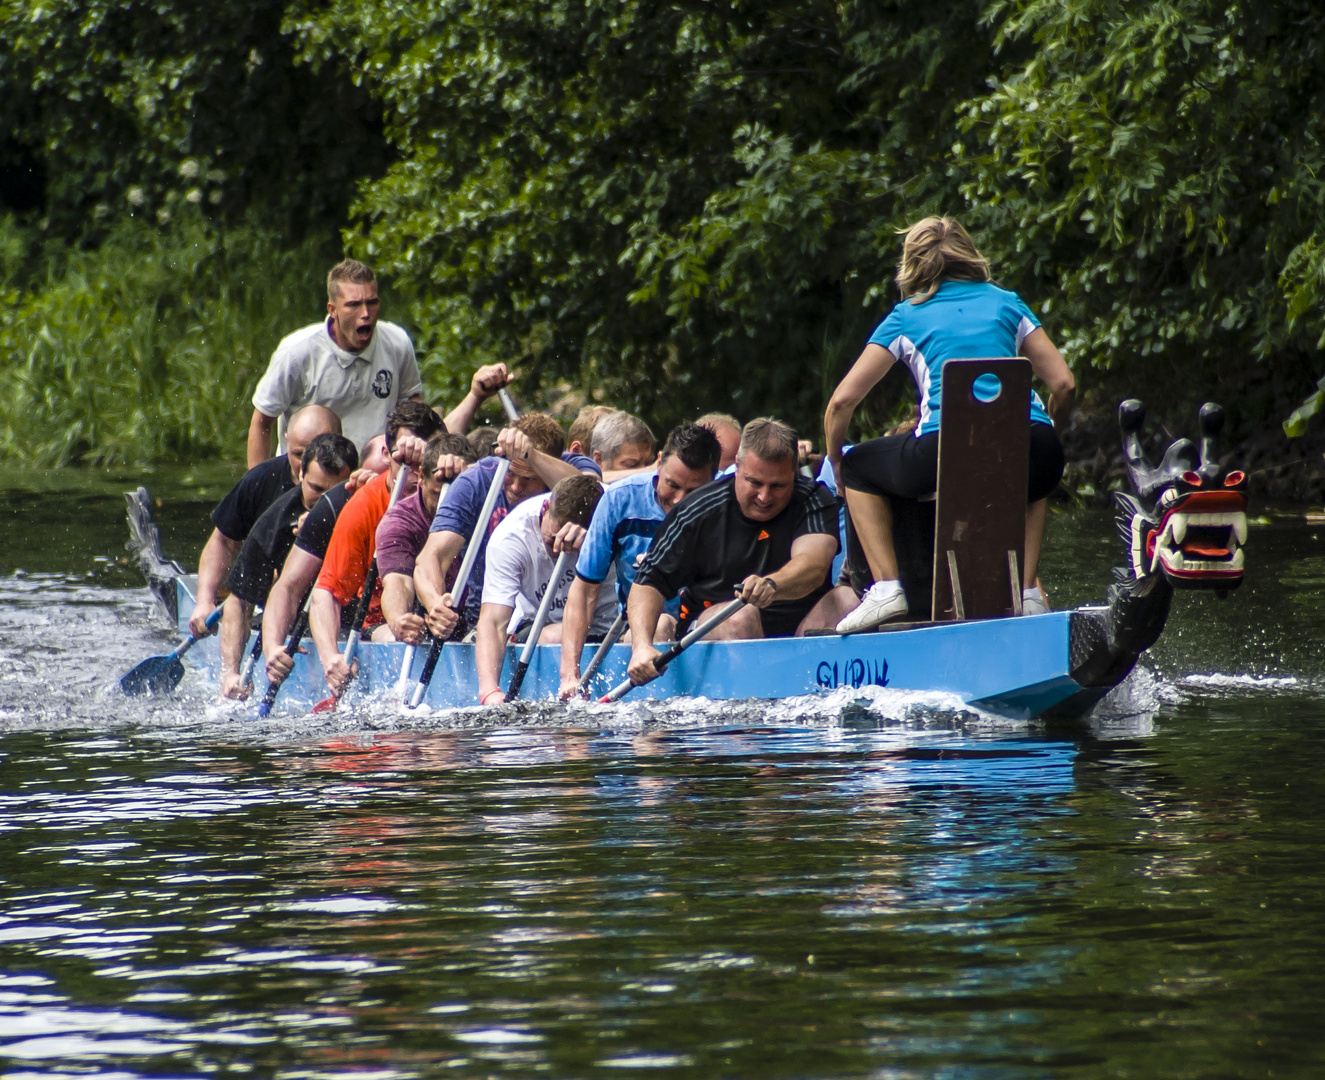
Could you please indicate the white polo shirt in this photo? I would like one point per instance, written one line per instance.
(519, 570)
(309, 368)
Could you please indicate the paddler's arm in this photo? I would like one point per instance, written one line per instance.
(516, 445)
(430, 570)
(871, 366)
(398, 608)
(235, 623)
(487, 381)
(324, 625)
(1052, 370)
(218, 555)
(283, 603)
(581, 600)
(490, 651)
(644, 608)
(811, 558)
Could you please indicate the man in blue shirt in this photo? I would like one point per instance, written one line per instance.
(534, 444)
(621, 530)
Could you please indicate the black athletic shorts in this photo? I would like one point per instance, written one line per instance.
(909, 467)
(779, 619)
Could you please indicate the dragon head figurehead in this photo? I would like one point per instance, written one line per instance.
(1186, 518)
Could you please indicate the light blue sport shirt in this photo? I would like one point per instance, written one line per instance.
(962, 320)
(622, 528)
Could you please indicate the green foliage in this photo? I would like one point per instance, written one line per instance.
(668, 205)
(1152, 176)
(123, 106)
(675, 206)
(149, 347)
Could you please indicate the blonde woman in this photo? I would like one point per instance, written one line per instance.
(950, 309)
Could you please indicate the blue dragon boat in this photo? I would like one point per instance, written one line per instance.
(1182, 524)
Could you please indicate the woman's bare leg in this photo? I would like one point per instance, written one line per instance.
(1036, 514)
(872, 518)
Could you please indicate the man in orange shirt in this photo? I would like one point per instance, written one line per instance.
(350, 551)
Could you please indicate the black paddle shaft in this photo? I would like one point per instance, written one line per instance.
(430, 662)
(366, 597)
(516, 680)
(292, 647)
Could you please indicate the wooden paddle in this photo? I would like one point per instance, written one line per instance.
(361, 611)
(540, 619)
(471, 556)
(613, 636)
(292, 649)
(161, 674)
(668, 655)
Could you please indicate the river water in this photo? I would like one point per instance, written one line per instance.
(888, 886)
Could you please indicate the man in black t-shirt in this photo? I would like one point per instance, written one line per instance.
(237, 513)
(302, 566)
(766, 534)
(326, 463)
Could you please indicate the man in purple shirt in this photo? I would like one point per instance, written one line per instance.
(534, 445)
(402, 533)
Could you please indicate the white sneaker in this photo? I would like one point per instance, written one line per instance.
(884, 600)
(1032, 602)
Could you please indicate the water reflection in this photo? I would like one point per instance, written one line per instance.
(521, 897)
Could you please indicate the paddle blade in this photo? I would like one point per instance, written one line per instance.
(155, 675)
(326, 704)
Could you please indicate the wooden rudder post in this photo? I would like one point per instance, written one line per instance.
(984, 461)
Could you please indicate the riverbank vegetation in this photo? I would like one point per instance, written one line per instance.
(674, 206)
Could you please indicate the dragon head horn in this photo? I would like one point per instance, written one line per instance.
(1211, 419)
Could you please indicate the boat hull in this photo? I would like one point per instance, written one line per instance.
(1017, 667)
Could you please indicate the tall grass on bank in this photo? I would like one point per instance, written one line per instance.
(147, 347)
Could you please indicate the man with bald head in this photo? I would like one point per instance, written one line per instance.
(257, 489)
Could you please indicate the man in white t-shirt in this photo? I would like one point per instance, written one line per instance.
(521, 557)
(352, 364)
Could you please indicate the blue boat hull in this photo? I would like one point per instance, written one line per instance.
(1017, 667)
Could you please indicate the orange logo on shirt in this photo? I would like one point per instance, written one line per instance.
(763, 534)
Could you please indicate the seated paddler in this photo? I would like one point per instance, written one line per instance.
(623, 526)
(326, 462)
(354, 539)
(766, 534)
(237, 513)
(521, 558)
(535, 446)
(402, 533)
(950, 309)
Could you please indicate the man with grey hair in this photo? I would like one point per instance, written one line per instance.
(765, 534)
(622, 445)
(728, 430)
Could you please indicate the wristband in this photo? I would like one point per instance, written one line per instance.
(771, 583)
(483, 700)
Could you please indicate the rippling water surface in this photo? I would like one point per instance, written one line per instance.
(883, 885)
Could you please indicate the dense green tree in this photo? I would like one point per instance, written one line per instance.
(684, 205)
(1158, 168)
(111, 108)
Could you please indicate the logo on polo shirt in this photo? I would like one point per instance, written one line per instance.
(382, 383)
(763, 534)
